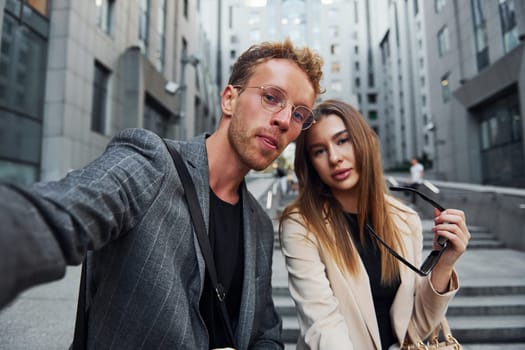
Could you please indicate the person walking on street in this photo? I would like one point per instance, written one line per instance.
(147, 284)
(417, 172)
(349, 245)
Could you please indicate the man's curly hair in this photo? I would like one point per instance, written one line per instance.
(310, 62)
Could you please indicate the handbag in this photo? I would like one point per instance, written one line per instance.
(414, 342)
(80, 335)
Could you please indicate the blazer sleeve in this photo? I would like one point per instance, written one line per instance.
(429, 306)
(53, 224)
(321, 323)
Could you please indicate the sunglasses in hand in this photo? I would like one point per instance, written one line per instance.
(434, 255)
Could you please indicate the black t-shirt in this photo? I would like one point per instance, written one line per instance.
(226, 240)
(383, 296)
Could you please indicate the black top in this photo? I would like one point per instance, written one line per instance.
(226, 240)
(383, 296)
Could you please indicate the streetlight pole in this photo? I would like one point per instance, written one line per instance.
(194, 61)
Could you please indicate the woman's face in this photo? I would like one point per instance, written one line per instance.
(331, 152)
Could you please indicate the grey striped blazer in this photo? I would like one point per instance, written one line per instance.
(147, 272)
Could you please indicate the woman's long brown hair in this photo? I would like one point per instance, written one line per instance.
(322, 214)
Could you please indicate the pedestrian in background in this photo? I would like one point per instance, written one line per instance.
(147, 286)
(417, 172)
(350, 291)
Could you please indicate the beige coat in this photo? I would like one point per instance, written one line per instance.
(335, 310)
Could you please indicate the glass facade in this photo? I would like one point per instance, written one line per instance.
(23, 51)
(480, 33)
(509, 27)
(99, 110)
(502, 158)
(156, 117)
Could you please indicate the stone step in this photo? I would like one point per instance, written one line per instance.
(460, 305)
(478, 314)
(493, 346)
(473, 244)
(490, 329)
(503, 291)
(487, 305)
(467, 329)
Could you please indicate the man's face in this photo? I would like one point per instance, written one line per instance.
(256, 134)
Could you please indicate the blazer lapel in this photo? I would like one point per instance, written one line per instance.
(403, 304)
(247, 309)
(195, 157)
(361, 293)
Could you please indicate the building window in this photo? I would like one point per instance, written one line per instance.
(509, 28)
(356, 12)
(336, 67)
(503, 161)
(156, 116)
(336, 86)
(105, 10)
(255, 35)
(372, 98)
(416, 7)
(99, 110)
(185, 10)
(161, 34)
(439, 4)
(371, 78)
(357, 82)
(445, 88)
(39, 5)
(443, 43)
(144, 24)
(480, 33)
(254, 18)
(334, 49)
(22, 68)
(372, 115)
(333, 32)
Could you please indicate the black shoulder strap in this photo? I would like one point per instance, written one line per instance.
(79, 337)
(198, 223)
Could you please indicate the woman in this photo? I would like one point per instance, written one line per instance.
(350, 292)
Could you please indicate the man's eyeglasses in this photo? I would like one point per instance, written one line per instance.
(274, 100)
(434, 255)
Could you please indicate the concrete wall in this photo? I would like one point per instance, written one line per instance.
(500, 209)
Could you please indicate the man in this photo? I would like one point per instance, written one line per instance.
(147, 282)
(416, 176)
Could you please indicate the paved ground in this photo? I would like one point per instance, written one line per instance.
(43, 317)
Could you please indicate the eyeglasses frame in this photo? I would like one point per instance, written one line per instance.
(283, 105)
(431, 260)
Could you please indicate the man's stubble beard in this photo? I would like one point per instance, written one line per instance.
(247, 146)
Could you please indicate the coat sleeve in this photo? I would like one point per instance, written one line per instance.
(321, 323)
(53, 224)
(429, 306)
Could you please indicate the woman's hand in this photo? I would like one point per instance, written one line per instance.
(449, 224)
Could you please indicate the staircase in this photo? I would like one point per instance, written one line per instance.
(488, 312)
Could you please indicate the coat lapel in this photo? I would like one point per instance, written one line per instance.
(247, 309)
(404, 299)
(195, 157)
(360, 291)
